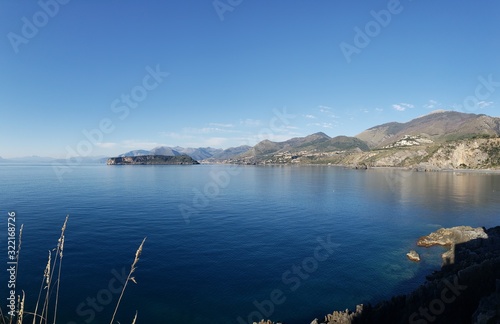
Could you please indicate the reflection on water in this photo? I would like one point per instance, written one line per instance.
(440, 192)
(462, 188)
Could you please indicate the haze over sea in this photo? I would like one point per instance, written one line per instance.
(249, 231)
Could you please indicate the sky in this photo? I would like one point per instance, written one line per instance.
(90, 78)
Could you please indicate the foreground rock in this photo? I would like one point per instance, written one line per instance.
(489, 308)
(450, 236)
(465, 291)
(345, 317)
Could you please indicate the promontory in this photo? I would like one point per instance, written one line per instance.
(152, 160)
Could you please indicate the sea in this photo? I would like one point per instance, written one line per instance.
(227, 243)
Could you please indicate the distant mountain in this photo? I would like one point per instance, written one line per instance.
(231, 152)
(315, 142)
(296, 149)
(199, 154)
(164, 150)
(440, 126)
(267, 147)
(135, 153)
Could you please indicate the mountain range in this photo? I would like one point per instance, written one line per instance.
(441, 139)
(439, 126)
(200, 154)
(432, 138)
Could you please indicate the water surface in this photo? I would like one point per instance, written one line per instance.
(225, 242)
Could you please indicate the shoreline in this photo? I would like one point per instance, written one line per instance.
(409, 169)
(465, 288)
(351, 167)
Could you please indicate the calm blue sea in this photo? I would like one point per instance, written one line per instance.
(230, 244)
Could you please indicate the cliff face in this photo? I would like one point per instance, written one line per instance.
(474, 154)
(483, 153)
(410, 152)
(151, 160)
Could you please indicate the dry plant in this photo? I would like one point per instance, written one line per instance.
(48, 284)
(129, 278)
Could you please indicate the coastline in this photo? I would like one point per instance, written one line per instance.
(465, 290)
(352, 167)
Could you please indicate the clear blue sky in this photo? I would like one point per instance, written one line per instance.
(65, 68)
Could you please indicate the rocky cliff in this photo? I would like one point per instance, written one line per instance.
(478, 153)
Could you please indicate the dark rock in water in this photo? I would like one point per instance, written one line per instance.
(426, 167)
(361, 166)
(466, 290)
(152, 160)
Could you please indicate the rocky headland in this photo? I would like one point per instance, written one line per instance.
(152, 160)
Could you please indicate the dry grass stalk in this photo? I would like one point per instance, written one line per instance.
(20, 315)
(47, 277)
(19, 249)
(60, 249)
(129, 278)
(47, 283)
(35, 313)
(2, 316)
